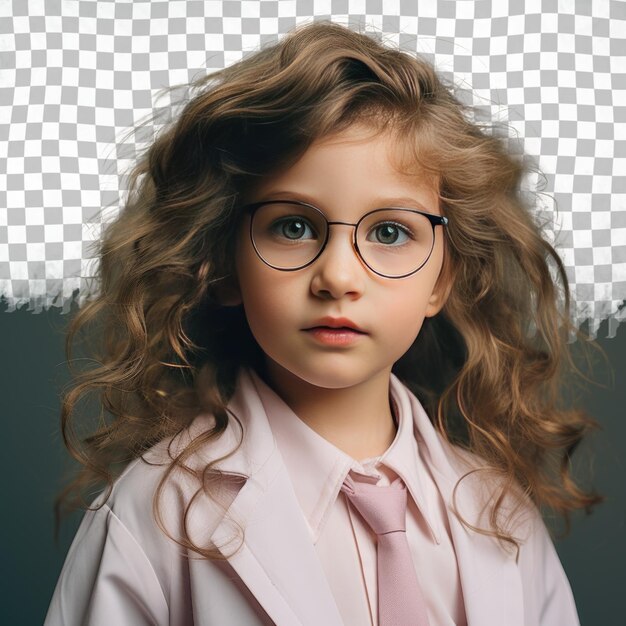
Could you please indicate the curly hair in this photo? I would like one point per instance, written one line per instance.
(167, 349)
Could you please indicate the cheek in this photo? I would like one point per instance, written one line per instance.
(266, 295)
(408, 318)
(263, 310)
(405, 312)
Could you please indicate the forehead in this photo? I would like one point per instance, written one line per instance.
(359, 163)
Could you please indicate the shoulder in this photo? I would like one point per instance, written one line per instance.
(548, 597)
(153, 483)
(157, 504)
(122, 564)
(488, 497)
(187, 482)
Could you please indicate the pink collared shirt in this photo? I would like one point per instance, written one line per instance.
(344, 543)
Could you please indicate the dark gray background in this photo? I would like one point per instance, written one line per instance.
(34, 371)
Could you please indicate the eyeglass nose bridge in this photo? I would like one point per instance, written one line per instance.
(343, 224)
(355, 245)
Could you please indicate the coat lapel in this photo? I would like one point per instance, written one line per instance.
(277, 561)
(490, 578)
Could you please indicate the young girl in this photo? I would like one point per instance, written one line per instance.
(325, 290)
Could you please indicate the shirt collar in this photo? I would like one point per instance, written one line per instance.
(317, 468)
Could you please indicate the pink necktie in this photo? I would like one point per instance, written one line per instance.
(400, 598)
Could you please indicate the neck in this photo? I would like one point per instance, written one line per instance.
(358, 419)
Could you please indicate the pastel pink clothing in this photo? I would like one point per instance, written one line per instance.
(344, 543)
(122, 569)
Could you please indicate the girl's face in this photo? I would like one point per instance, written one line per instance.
(346, 176)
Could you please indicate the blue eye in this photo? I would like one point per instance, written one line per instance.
(293, 227)
(389, 233)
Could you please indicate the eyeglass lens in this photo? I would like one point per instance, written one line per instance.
(392, 242)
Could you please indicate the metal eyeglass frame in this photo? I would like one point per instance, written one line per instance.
(435, 220)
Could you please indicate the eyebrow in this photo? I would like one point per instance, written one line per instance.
(395, 201)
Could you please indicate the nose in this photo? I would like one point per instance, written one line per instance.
(339, 271)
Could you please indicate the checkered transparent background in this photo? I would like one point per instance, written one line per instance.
(77, 75)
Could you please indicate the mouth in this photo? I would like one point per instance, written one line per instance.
(341, 324)
(336, 329)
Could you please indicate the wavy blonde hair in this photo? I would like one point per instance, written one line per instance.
(167, 349)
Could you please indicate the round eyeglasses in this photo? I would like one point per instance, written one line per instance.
(289, 235)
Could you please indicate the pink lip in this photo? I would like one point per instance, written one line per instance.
(334, 336)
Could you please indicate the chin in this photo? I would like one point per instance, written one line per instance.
(329, 376)
(328, 380)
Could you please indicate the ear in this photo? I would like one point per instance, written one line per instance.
(227, 291)
(441, 290)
